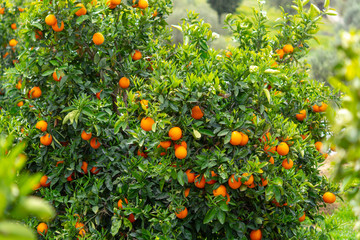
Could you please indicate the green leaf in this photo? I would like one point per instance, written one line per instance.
(267, 93)
(221, 216)
(37, 25)
(269, 192)
(196, 134)
(47, 73)
(82, 18)
(326, 3)
(207, 132)
(11, 230)
(180, 177)
(117, 126)
(223, 132)
(115, 227)
(227, 138)
(210, 215)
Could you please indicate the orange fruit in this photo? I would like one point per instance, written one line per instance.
(2, 10)
(55, 77)
(175, 133)
(288, 48)
(111, 6)
(181, 213)
(142, 154)
(266, 137)
(212, 181)
(124, 82)
(323, 107)
(196, 113)
(267, 148)
(199, 183)
(35, 92)
(41, 125)
(20, 104)
(228, 198)
(94, 143)
(236, 138)
(69, 178)
(98, 95)
(20, 9)
(183, 143)
(137, 55)
(94, 2)
(86, 136)
(144, 103)
(228, 54)
(303, 136)
(250, 179)
(233, 183)
(94, 170)
(302, 218)
(155, 13)
(59, 162)
(120, 203)
(221, 190)
(271, 160)
(287, 164)
(274, 64)
(252, 185)
(255, 234)
(329, 197)
(131, 218)
(190, 176)
(282, 149)
(46, 139)
(56, 28)
(43, 181)
(143, 4)
(42, 229)
(82, 233)
(50, 19)
(316, 108)
(186, 192)
(280, 53)
(84, 167)
(98, 38)
(38, 34)
(264, 182)
(147, 123)
(13, 43)
(301, 116)
(79, 224)
(165, 144)
(181, 152)
(13, 26)
(244, 139)
(115, 2)
(81, 11)
(318, 146)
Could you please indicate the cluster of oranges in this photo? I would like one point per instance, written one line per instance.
(287, 49)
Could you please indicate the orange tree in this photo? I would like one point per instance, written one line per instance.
(137, 138)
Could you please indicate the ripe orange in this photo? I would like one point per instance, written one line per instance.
(120, 203)
(183, 143)
(143, 4)
(50, 19)
(250, 179)
(41, 125)
(69, 178)
(274, 64)
(288, 48)
(86, 136)
(131, 218)
(236, 138)
(280, 53)
(266, 137)
(94, 143)
(301, 116)
(196, 113)
(318, 146)
(252, 185)
(155, 13)
(329, 197)
(256, 234)
(84, 167)
(98, 38)
(282, 149)
(94, 170)
(175, 133)
(302, 218)
(46, 139)
(20, 104)
(21, 9)
(38, 34)
(147, 123)
(81, 11)
(212, 181)
(35, 92)
(42, 229)
(124, 82)
(221, 190)
(56, 28)
(165, 144)
(144, 103)
(98, 95)
(79, 224)
(244, 139)
(55, 77)
(2, 10)
(190, 176)
(233, 183)
(316, 108)
(137, 55)
(82, 233)
(111, 6)
(323, 107)
(13, 26)
(181, 213)
(186, 192)
(59, 162)
(94, 2)
(13, 43)
(264, 182)
(286, 164)
(181, 152)
(200, 183)
(43, 181)
(228, 54)
(267, 148)
(115, 2)
(271, 160)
